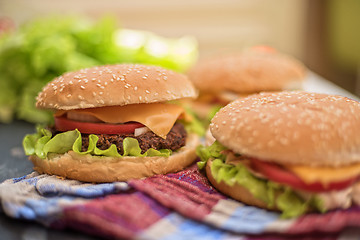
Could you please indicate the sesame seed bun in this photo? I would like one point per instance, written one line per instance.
(250, 71)
(113, 85)
(292, 128)
(89, 168)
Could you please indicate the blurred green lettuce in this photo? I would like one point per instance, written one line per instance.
(45, 48)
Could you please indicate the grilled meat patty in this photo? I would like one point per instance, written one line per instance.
(175, 139)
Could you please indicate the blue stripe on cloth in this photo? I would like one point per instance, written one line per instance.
(80, 189)
(19, 211)
(43, 209)
(176, 227)
(30, 179)
(234, 216)
(42, 197)
(247, 219)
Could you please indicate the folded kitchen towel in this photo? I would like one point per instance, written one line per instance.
(173, 206)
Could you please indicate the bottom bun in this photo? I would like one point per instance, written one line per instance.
(236, 191)
(89, 168)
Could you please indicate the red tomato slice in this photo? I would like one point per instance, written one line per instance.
(63, 124)
(278, 174)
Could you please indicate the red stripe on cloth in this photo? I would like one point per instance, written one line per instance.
(330, 222)
(193, 176)
(193, 199)
(115, 216)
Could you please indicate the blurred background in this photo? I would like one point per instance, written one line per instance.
(324, 34)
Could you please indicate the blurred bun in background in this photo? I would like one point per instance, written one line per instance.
(226, 76)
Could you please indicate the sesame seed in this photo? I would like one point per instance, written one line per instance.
(82, 87)
(296, 135)
(284, 141)
(135, 88)
(147, 91)
(271, 143)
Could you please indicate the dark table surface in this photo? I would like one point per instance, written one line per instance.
(13, 163)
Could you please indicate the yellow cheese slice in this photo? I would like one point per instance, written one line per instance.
(158, 117)
(325, 175)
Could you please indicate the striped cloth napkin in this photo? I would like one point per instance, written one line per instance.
(174, 206)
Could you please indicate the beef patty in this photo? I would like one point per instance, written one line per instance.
(175, 139)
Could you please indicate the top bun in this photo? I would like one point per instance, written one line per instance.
(113, 85)
(250, 71)
(292, 128)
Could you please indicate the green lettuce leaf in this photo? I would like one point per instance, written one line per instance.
(239, 174)
(42, 143)
(213, 111)
(290, 204)
(205, 153)
(192, 123)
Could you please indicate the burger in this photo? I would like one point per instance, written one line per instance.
(114, 123)
(224, 77)
(293, 152)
